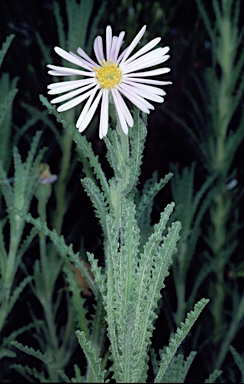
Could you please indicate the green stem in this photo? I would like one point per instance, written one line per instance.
(237, 318)
(45, 273)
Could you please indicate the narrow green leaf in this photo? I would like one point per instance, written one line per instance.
(60, 25)
(43, 357)
(29, 373)
(62, 247)
(5, 47)
(213, 376)
(178, 337)
(238, 360)
(98, 200)
(78, 300)
(149, 193)
(93, 361)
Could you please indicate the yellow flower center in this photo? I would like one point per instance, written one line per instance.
(109, 75)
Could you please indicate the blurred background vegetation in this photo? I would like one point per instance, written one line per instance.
(182, 137)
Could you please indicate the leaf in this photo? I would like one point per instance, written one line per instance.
(100, 277)
(238, 360)
(98, 200)
(213, 376)
(3, 252)
(5, 47)
(178, 337)
(206, 21)
(137, 142)
(27, 372)
(178, 368)
(60, 25)
(93, 361)
(8, 92)
(155, 268)
(78, 377)
(126, 263)
(149, 193)
(63, 248)
(43, 357)
(99, 329)
(78, 300)
(111, 302)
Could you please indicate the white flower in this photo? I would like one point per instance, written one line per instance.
(116, 74)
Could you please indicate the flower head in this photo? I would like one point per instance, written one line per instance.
(114, 73)
(44, 174)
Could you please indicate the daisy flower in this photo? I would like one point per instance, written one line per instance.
(116, 74)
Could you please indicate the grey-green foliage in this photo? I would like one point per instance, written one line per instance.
(17, 193)
(131, 282)
(178, 368)
(5, 47)
(65, 250)
(178, 337)
(93, 332)
(94, 362)
(43, 357)
(8, 91)
(213, 376)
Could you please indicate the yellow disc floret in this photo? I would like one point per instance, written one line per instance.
(108, 75)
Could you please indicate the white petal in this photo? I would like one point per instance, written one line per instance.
(147, 88)
(127, 115)
(144, 94)
(145, 64)
(103, 127)
(90, 113)
(86, 64)
(118, 46)
(119, 111)
(150, 96)
(146, 81)
(155, 72)
(144, 49)
(122, 55)
(134, 43)
(65, 86)
(83, 54)
(108, 42)
(67, 56)
(98, 49)
(71, 94)
(150, 59)
(70, 71)
(155, 53)
(139, 102)
(72, 103)
(86, 107)
(113, 47)
(56, 73)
